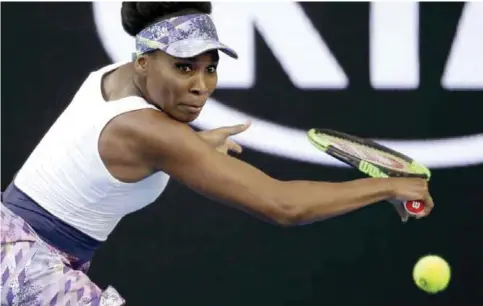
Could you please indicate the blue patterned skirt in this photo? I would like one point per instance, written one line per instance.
(35, 273)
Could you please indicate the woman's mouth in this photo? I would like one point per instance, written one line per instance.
(191, 108)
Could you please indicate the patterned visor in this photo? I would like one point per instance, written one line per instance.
(183, 36)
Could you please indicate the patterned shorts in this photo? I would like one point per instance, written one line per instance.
(35, 273)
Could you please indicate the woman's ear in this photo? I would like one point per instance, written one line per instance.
(141, 65)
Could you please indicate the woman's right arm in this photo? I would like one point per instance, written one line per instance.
(176, 149)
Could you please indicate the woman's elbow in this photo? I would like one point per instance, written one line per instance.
(286, 215)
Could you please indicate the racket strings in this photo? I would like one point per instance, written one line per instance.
(370, 154)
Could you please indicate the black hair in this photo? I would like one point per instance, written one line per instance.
(138, 15)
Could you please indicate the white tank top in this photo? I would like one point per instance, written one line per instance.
(66, 176)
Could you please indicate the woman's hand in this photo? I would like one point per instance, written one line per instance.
(219, 138)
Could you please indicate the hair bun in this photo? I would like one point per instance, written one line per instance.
(138, 15)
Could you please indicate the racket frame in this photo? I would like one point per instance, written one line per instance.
(369, 168)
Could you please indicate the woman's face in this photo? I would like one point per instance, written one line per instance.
(178, 86)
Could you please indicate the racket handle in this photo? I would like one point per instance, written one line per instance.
(413, 207)
(410, 207)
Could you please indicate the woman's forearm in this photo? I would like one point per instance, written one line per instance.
(308, 201)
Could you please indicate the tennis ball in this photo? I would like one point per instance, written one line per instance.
(431, 274)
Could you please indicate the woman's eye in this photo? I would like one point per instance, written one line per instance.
(184, 67)
(211, 69)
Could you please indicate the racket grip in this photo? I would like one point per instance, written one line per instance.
(413, 207)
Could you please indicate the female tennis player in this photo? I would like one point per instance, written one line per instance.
(113, 149)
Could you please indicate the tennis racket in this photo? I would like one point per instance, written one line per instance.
(372, 159)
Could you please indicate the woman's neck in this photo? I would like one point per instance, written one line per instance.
(119, 83)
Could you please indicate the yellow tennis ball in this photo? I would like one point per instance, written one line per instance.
(432, 274)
